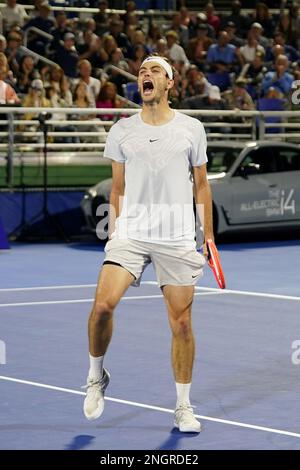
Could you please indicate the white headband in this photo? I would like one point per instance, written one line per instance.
(161, 62)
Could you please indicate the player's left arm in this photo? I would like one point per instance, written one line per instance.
(203, 200)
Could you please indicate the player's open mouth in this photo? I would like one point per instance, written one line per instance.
(148, 87)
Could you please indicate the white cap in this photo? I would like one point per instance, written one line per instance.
(257, 25)
(37, 84)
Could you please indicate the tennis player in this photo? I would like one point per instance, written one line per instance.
(158, 162)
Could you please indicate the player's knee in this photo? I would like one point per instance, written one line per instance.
(182, 326)
(102, 311)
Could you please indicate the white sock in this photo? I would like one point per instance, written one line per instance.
(96, 367)
(183, 394)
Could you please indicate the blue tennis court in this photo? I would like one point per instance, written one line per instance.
(245, 384)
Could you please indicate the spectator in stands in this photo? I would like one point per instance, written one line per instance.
(223, 53)
(13, 14)
(3, 43)
(67, 56)
(276, 50)
(175, 95)
(212, 18)
(162, 48)
(196, 22)
(81, 99)
(237, 18)
(101, 18)
(263, 17)
(292, 54)
(138, 56)
(90, 25)
(55, 78)
(131, 15)
(129, 31)
(57, 101)
(198, 46)
(181, 29)
(279, 79)
(35, 98)
(42, 21)
(176, 52)
(26, 74)
(59, 29)
(211, 100)
(154, 33)
(294, 24)
(115, 29)
(132, 20)
(98, 55)
(257, 33)
(230, 29)
(117, 59)
(13, 52)
(251, 48)
(194, 83)
(93, 84)
(286, 29)
(108, 99)
(185, 16)
(238, 98)
(109, 44)
(7, 93)
(88, 45)
(138, 37)
(37, 5)
(254, 75)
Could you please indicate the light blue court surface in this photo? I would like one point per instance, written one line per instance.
(246, 376)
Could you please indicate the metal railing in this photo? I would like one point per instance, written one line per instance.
(37, 56)
(79, 137)
(108, 10)
(157, 12)
(38, 31)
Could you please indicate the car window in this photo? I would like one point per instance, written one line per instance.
(262, 160)
(289, 159)
(221, 159)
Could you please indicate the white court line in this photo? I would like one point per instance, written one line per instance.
(155, 408)
(71, 286)
(253, 294)
(78, 301)
(211, 289)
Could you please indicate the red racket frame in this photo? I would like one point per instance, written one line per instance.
(215, 264)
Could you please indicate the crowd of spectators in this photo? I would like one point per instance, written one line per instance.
(229, 61)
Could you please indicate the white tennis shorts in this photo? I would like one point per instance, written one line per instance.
(173, 265)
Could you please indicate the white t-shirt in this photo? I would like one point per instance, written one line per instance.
(249, 52)
(14, 15)
(158, 199)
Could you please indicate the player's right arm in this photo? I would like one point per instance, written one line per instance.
(116, 195)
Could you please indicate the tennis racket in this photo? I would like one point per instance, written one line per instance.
(215, 263)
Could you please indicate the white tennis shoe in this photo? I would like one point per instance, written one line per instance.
(94, 401)
(185, 420)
